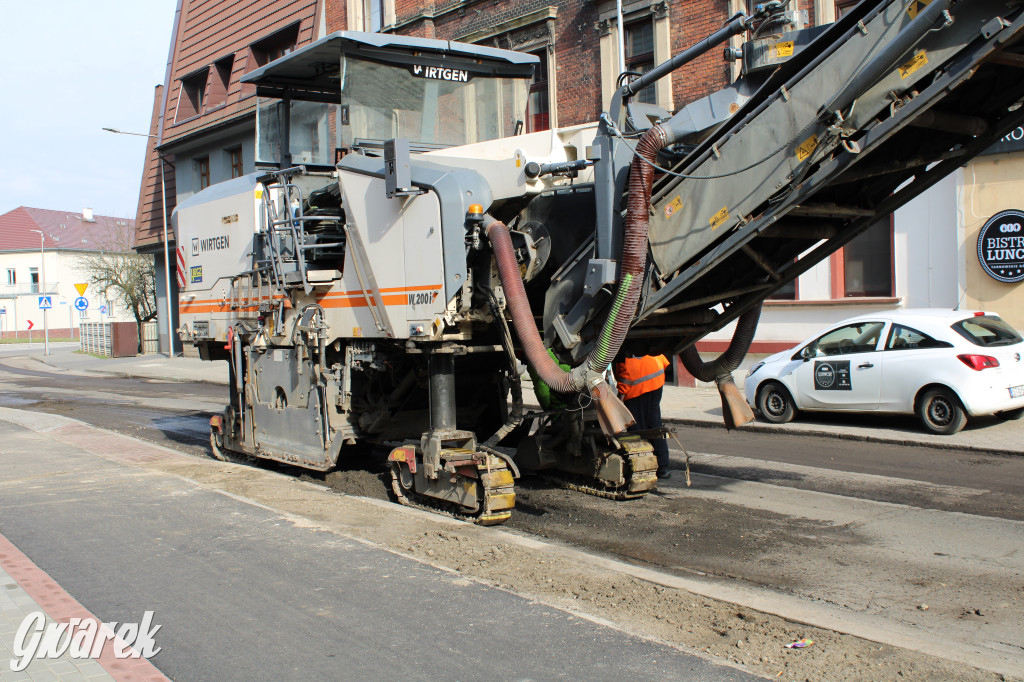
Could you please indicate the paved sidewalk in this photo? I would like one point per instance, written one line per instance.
(680, 405)
(15, 605)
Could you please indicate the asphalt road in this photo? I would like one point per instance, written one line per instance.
(875, 530)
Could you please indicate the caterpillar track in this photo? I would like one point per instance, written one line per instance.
(472, 486)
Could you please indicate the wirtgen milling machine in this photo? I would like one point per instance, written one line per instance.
(408, 253)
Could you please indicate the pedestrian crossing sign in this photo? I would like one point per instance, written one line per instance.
(45, 303)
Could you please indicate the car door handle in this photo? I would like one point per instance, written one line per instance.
(865, 365)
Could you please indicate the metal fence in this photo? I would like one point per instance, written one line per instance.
(150, 338)
(109, 339)
(95, 338)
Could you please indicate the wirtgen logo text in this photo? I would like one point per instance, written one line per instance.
(81, 638)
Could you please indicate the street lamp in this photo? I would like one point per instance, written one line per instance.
(42, 290)
(167, 257)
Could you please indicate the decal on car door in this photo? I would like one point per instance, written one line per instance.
(832, 376)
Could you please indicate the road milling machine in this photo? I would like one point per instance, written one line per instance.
(407, 253)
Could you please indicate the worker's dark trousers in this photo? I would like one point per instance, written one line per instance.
(646, 410)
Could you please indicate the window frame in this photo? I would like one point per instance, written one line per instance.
(274, 46)
(192, 93)
(540, 87)
(368, 7)
(203, 171)
(643, 58)
(837, 269)
(220, 82)
(12, 276)
(235, 162)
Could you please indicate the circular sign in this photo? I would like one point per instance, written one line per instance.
(1001, 246)
(824, 375)
(81, 303)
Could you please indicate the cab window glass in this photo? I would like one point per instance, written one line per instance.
(859, 337)
(905, 338)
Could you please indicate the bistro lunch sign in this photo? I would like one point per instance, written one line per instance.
(1013, 141)
(1001, 246)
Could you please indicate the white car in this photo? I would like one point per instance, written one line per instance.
(943, 365)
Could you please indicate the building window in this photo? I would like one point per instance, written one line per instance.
(12, 277)
(203, 169)
(844, 6)
(537, 114)
(787, 293)
(864, 267)
(33, 275)
(640, 55)
(275, 46)
(221, 78)
(235, 158)
(191, 94)
(373, 15)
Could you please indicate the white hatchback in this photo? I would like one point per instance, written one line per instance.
(943, 365)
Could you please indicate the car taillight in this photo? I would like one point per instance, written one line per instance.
(978, 362)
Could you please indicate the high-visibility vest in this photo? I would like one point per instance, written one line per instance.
(637, 376)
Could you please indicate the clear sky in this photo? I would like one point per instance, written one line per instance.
(71, 68)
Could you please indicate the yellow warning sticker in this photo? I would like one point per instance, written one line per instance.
(259, 194)
(784, 49)
(919, 59)
(674, 206)
(719, 218)
(357, 332)
(806, 147)
(916, 7)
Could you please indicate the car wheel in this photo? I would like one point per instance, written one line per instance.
(1011, 414)
(940, 411)
(775, 403)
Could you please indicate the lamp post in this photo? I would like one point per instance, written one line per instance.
(42, 290)
(167, 257)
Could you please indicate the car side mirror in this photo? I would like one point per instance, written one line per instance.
(807, 352)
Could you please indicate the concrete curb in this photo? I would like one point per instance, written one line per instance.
(845, 435)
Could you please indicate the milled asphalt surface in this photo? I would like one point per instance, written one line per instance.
(681, 405)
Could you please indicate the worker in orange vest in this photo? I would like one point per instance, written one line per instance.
(640, 381)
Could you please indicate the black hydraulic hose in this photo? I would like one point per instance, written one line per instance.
(729, 360)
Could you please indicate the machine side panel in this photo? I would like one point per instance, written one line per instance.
(402, 242)
(216, 230)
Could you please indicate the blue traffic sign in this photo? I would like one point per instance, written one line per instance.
(81, 303)
(45, 303)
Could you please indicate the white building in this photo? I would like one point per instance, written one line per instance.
(27, 236)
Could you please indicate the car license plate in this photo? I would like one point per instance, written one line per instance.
(1016, 391)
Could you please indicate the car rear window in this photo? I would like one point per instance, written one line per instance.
(987, 331)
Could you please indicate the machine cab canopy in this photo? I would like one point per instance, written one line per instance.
(354, 89)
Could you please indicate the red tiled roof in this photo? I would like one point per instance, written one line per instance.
(61, 230)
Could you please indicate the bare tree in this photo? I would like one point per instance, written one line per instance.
(123, 275)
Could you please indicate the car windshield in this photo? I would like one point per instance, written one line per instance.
(987, 331)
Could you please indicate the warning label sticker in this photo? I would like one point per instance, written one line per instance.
(719, 218)
(919, 59)
(916, 7)
(806, 147)
(784, 49)
(674, 206)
